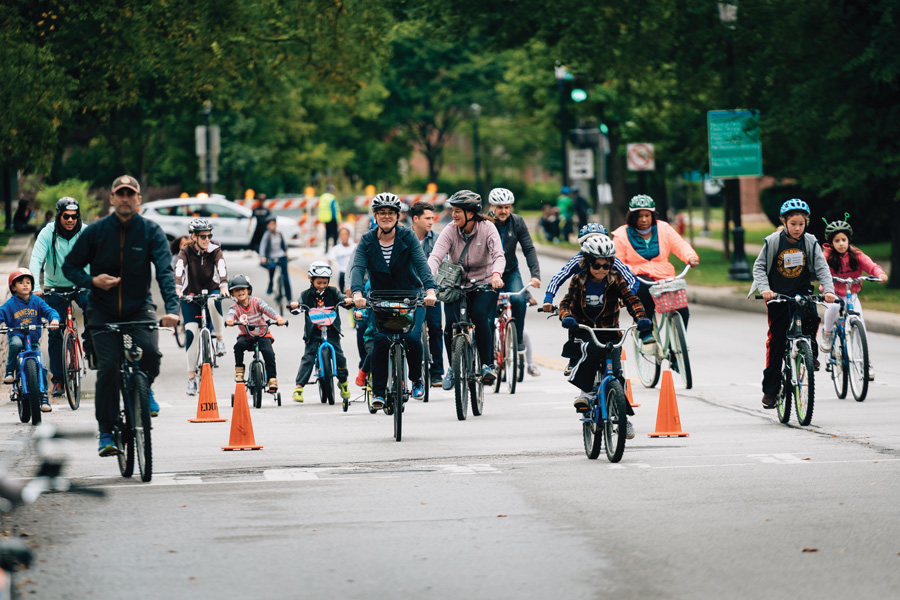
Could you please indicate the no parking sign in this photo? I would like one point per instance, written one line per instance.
(640, 157)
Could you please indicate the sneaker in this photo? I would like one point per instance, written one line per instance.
(816, 364)
(437, 380)
(361, 378)
(107, 445)
(378, 402)
(827, 338)
(58, 390)
(768, 400)
(345, 393)
(154, 406)
(583, 401)
(488, 375)
(629, 430)
(238, 374)
(9, 378)
(45, 405)
(568, 370)
(298, 394)
(418, 390)
(220, 348)
(447, 384)
(273, 385)
(533, 371)
(871, 372)
(269, 289)
(191, 387)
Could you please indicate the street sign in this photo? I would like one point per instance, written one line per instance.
(735, 149)
(640, 157)
(581, 164)
(200, 139)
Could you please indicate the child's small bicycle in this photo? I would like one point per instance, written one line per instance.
(849, 357)
(257, 379)
(29, 387)
(326, 362)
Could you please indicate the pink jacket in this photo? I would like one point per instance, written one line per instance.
(659, 267)
(484, 257)
(866, 265)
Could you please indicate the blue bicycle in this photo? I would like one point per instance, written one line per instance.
(30, 386)
(849, 357)
(326, 362)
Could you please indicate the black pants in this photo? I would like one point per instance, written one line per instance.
(311, 355)
(54, 338)
(779, 319)
(381, 352)
(331, 233)
(108, 350)
(643, 293)
(244, 343)
(482, 308)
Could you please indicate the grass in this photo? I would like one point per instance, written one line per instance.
(5, 234)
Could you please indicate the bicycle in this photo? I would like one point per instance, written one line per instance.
(394, 313)
(849, 356)
(278, 294)
(467, 383)
(668, 331)
(257, 380)
(426, 361)
(510, 362)
(30, 384)
(798, 374)
(206, 351)
(131, 432)
(74, 362)
(326, 359)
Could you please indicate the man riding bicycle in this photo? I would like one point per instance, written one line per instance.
(120, 249)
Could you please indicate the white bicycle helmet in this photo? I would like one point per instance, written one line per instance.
(200, 224)
(501, 197)
(320, 268)
(598, 246)
(386, 200)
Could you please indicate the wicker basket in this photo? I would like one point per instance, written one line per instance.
(669, 295)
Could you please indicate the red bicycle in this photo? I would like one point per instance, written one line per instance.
(74, 363)
(510, 362)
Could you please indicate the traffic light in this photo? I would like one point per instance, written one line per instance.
(604, 129)
(578, 94)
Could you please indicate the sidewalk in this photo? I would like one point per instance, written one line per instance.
(16, 254)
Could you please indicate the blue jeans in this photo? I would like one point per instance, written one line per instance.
(512, 282)
(16, 344)
(435, 340)
(54, 338)
(381, 354)
(280, 263)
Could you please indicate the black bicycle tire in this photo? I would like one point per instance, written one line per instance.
(520, 376)
(498, 354)
(397, 379)
(71, 370)
(643, 362)
(258, 381)
(592, 433)
(476, 384)
(125, 438)
(680, 348)
(785, 396)
(33, 383)
(857, 331)
(426, 363)
(326, 382)
(140, 397)
(616, 417)
(23, 404)
(369, 395)
(805, 374)
(511, 356)
(460, 386)
(840, 377)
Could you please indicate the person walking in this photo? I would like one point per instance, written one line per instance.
(261, 214)
(330, 215)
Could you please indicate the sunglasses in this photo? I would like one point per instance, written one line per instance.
(66, 217)
(598, 265)
(126, 192)
(204, 236)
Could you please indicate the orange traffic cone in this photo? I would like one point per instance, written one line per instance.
(241, 426)
(628, 392)
(207, 407)
(668, 423)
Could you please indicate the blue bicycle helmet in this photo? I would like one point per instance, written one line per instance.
(794, 204)
(589, 229)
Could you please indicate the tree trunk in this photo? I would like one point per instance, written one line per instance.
(616, 180)
(894, 281)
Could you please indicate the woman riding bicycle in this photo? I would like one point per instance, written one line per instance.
(484, 262)
(200, 266)
(394, 260)
(644, 244)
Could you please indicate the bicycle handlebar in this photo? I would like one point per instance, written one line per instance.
(127, 325)
(816, 298)
(303, 308)
(856, 279)
(652, 282)
(522, 291)
(25, 328)
(608, 345)
(67, 293)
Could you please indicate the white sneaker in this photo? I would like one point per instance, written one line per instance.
(827, 338)
(220, 348)
(533, 371)
(192, 387)
(629, 430)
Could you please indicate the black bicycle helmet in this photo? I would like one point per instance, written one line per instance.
(836, 227)
(239, 281)
(66, 203)
(466, 200)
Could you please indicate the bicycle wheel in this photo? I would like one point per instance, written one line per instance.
(592, 432)
(326, 381)
(499, 359)
(476, 385)
(837, 362)
(22, 403)
(206, 349)
(426, 363)
(858, 359)
(786, 395)
(647, 365)
(805, 389)
(460, 375)
(397, 377)
(140, 406)
(33, 385)
(179, 334)
(369, 395)
(257, 382)
(680, 350)
(615, 426)
(72, 372)
(512, 356)
(521, 374)
(123, 433)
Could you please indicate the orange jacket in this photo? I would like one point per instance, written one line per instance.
(659, 267)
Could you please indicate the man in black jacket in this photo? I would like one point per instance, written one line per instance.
(120, 249)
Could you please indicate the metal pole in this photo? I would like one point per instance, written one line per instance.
(207, 110)
(476, 142)
(563, 120)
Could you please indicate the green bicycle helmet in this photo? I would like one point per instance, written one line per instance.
(641, 202)
(836, 227)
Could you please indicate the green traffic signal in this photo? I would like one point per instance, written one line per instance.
(604, 129)
(578, 95)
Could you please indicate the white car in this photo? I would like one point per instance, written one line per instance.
(233, 224)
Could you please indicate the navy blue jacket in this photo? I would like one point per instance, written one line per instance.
(408, 269)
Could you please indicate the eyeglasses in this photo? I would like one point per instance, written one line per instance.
(66, 217)
(604, 265)
(385, 213)
(204, 236)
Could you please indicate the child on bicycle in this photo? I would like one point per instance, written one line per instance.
(594, 298)
(787, 264)
(321, 294)
(248, 310)
(21, 310)
(847, 262)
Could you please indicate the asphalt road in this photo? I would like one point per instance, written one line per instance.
(505, 505)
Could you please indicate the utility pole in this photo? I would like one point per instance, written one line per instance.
(476, 142)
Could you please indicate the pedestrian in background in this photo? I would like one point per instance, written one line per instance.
(580, 205)
(330, 215)
(261, 214)
(566, 212)
(550, 223)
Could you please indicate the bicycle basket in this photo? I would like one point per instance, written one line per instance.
(393, 313)
(322, 316)
(669, 295)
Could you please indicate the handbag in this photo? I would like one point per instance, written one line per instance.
(449, 275)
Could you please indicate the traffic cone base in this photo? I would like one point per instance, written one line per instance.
(629, 394)
(241, 437)
(668, 423)
(207, 407)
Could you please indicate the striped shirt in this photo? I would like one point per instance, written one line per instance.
(256, 311)
(573, 267)
(386, 251)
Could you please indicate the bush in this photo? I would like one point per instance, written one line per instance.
(47, 197)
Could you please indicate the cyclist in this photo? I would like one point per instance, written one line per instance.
(514, 232)
(422, 224)
(248, 310)
(121, 249)
(273, 255)
(53, 244)
(644, 244)
(787, 263)
(321, 294)
(484, 261)
(594, 299)
(394, 260)
(200, 266)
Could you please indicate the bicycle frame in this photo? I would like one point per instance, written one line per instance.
(594, 415)
(202, 301)
(795, 331)
(662, 322)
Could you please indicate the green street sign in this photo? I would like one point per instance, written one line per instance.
(734, 146)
